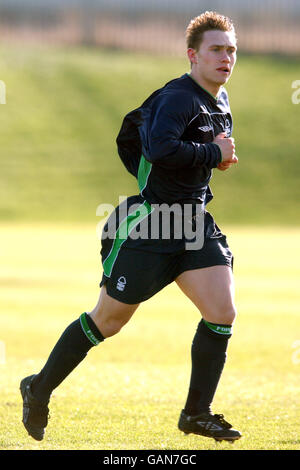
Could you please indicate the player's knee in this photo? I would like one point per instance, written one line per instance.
(228, 315)
(224, 315)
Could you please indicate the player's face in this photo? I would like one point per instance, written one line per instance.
(213, 63)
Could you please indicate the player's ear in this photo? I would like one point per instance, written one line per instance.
(192, 55)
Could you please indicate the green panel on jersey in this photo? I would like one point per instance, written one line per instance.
(143, 173)
(125, 227)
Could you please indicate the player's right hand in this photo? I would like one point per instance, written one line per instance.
(227, 147)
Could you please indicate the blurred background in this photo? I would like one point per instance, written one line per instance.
(72, 70)
(152, 25)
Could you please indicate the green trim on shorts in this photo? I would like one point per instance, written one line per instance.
(123, 232)
(220, 329)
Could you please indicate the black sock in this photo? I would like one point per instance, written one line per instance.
(208, 359)
(71, 348)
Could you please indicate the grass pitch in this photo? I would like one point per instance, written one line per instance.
(129, 392)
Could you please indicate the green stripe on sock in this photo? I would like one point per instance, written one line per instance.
(220, 329)
(88, 332)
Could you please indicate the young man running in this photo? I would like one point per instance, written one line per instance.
(171, 144)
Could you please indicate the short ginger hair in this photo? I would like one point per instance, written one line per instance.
(207, 21)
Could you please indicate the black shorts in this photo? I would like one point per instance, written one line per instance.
(140, 269)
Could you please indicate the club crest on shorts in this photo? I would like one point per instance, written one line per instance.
(121, 283)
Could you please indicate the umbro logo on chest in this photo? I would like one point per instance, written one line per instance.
(206, 128)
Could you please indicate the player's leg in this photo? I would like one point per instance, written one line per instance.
(105, 320)
(212, 291)
(110, 315)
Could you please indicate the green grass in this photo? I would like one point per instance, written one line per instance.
(64, 110)
(129, 391)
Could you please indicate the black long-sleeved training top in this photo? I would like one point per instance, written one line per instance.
(175, 129)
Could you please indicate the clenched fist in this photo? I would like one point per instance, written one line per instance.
(227, 148)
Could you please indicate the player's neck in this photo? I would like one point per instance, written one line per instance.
(207, 86)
